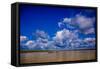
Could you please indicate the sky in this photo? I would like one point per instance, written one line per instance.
(56, 28)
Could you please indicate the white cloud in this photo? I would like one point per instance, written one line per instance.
(23, 38)
(90, 41)
(76, 43)
(60, 24)
(30, 42)
(41, 34)
(84, 22)
(59, 35)
(41, 43)
(62, 34)
(63, 39)
(66, 34)
(67, 20)
(90, 31)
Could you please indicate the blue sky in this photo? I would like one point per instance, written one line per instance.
(47, 18)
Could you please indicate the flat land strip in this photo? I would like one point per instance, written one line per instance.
(56, 56)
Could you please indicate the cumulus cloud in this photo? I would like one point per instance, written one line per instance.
(36, 45)
(67, 20)
(60, 24)
(30, 42)
(89, 42)
(23, 38)
(64, 34)
(40, 43)
(66, 38)
(75, 44)
(67, 23)
(41, 34)
(89, 39)
(84, 22)
(90, 31)
(42, 39)
(63, 40)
